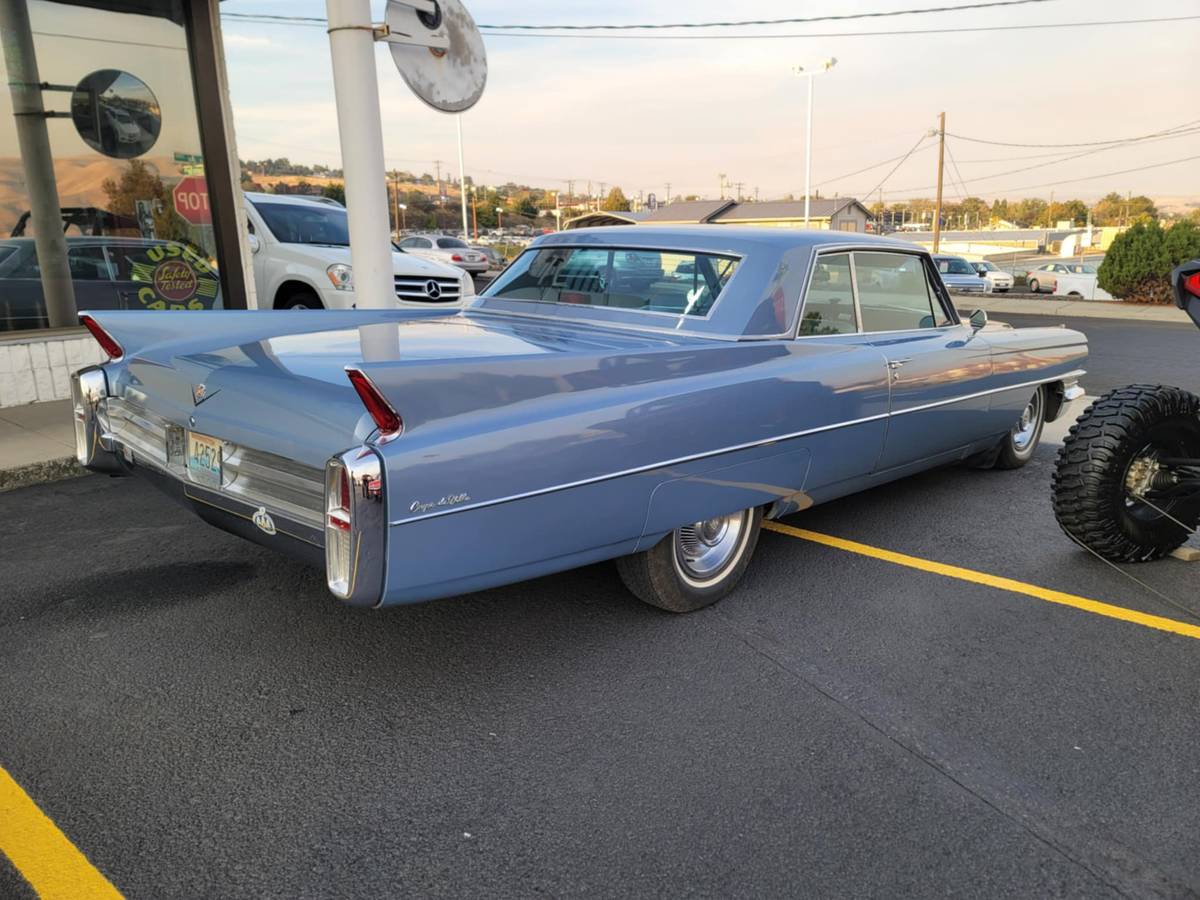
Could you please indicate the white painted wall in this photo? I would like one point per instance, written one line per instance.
(39, 368)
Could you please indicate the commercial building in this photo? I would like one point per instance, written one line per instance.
(119, 180)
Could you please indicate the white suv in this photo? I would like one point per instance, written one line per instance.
(301, 258)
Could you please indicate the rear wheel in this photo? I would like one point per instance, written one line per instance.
(695, 565)
(1127, 479)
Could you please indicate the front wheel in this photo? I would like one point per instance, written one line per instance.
(695, 565)
(1019, 444)
(1127, 479)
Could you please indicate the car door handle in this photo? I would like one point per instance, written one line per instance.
(895, 364)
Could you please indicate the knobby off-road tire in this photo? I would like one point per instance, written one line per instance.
(1091, 499)
(664, 577)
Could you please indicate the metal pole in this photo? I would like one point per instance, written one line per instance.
(937, 213)
(808, 151)
(33, 139)
(356, 90)
(396, 201)
(462, 175)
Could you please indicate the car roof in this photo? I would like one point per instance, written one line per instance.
(290, 199)
(737, 239)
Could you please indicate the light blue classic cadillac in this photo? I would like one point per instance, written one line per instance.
(641, 394)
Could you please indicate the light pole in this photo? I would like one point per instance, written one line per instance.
(403, 224)
(462, 175)
(499, 217)
(800, 70)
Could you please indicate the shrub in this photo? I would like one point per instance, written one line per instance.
(1138, 262)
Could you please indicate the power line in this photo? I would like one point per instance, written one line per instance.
(902, 156)
(1083, 144)
(840, 34)
(656, 26)
(961, 190)
(264, 19)
(897, 166)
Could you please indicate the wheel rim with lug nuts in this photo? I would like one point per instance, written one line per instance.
(705, 550)
(1025, 430)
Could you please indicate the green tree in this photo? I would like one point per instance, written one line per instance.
(140, 182)
(1137, 265)
(615, 200)
(1028, 212)
(1074, 211)
(335, 191)
(1113, 209)
(975, 211)
(526, 207)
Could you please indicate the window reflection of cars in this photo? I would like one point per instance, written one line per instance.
(107, 272)
(127, 130)
(958, 275)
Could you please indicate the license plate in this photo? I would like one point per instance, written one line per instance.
(204, 460)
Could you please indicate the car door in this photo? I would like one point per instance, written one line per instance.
(937, 366)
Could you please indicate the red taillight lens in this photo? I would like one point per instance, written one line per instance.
(380, 410)
(456, 258)
(106, 341)
(344, 489)
(1191, 284)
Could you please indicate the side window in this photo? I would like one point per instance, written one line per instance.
(408, 242)
(423, 243)
(894, 293)
(88, 263)
(829, 304)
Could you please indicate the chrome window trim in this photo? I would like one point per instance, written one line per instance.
(732, 449)
(680, 318)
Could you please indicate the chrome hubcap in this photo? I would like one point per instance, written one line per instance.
(1025, 430)
(703, 550)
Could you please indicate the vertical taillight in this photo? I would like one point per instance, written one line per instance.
(386, 418)
(1191, 284)
(106, 341)
(355, 526)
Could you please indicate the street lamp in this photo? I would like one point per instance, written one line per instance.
(499, 216)
(403, 225)
(800, 70)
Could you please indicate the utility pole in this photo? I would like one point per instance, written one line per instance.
(570, 192)
(396, 200)
(668, 192)
(937, 211)
(601, 195)
(738, 185)
(721, 177)
(756, 193)
(33, 138)
(438, 165)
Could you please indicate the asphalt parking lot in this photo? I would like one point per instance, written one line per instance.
(201, 719)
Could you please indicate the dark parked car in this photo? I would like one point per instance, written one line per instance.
(107, 273)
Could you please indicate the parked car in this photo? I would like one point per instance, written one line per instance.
(446, 249)
(998, 281)
(1045, 277)
(958, 275)
(301, 259)
(1080, 285)
(107, 272)
(562, 419)
(495, 258)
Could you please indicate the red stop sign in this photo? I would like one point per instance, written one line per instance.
(191, 200)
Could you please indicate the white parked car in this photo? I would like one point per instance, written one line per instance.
(998, 280)
(444, 248)
(301, 253)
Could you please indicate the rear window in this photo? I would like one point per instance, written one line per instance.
(954, 266)
(661, 281)
(451, 244)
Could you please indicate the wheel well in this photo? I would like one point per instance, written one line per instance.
(290, 289)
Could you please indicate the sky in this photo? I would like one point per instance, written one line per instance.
(642, 113)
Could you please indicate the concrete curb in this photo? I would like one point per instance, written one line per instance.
(1057, 306)
(43, 472)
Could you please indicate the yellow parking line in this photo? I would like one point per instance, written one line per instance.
(995, 581)
(43, 855)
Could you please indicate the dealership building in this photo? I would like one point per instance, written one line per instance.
(119, 178)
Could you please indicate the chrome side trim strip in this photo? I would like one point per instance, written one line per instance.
(733, 449)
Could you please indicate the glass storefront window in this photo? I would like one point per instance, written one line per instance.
(128, 169)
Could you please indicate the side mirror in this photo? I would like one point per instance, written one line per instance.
(978, 319)
(252, 240)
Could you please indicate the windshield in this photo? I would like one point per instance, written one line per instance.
(986, 266)
(294, 223)
(955, 266)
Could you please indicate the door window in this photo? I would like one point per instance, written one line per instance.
(894, 293)
(829, 304)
